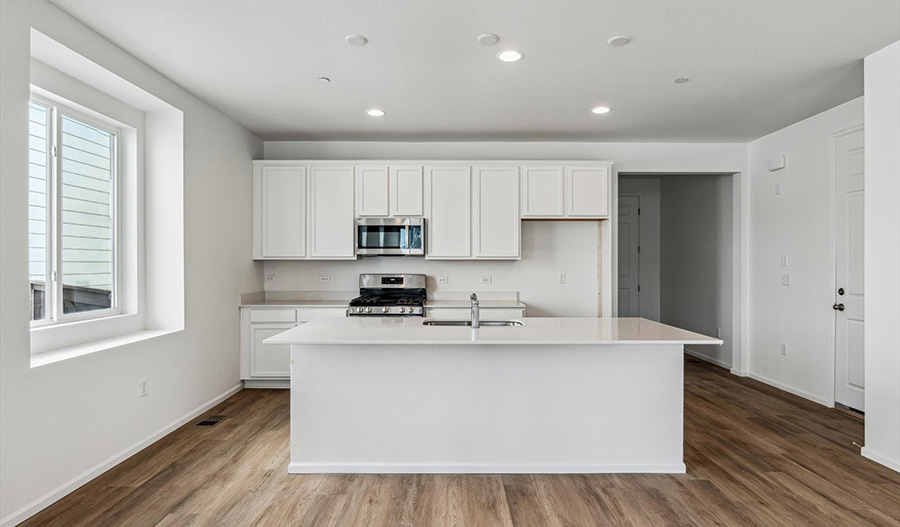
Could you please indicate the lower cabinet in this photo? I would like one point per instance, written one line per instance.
(269, 365)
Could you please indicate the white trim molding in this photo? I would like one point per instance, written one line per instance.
(791, 390)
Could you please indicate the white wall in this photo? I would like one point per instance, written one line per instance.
(548, 248)
(648, 188)
(696, 259)
(797, 223)
(61, 422)
(882, 111)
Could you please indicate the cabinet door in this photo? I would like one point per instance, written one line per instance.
(542, 191)
(372, 190)
(496, 200)
(269, 360)
(283, 211)
(406, 191)
(331, 212)
(449, 213)
(588, 192)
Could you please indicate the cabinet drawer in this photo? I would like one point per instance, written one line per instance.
(273, 315)
(311, 313)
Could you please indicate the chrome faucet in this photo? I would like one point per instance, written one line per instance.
(475, 315)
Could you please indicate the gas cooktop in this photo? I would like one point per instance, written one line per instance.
(389, 295)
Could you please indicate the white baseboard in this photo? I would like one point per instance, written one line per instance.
(479, 468)
(68, 487)
(739, 373)
(706, 358)
(881, 459)
(790, 389)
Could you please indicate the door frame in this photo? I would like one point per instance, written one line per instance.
(832, 263)
(639, 195)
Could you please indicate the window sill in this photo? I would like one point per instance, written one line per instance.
(53, 356)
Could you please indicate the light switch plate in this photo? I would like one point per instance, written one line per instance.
(778, 188)
(784, 260)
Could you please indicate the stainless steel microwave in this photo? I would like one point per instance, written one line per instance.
(390, 236)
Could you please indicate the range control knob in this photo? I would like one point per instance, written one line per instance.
(402, 309)
(368, 310)
(385, 309)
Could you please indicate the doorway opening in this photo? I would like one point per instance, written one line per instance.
(675, 255)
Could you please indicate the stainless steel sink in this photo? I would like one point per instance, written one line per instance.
(483, 323)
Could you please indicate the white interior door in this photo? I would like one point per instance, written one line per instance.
(849, 171)
(629, 256)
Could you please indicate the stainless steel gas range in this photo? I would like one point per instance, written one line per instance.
(389, 295)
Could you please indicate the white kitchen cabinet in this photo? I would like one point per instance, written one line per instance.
(496, 221)
(449, 211)
(269, 365)
(280, 211)
(543, 194)
(372, 190)
(587, 191)
(331, 212)
(269, 360)
(406, 190)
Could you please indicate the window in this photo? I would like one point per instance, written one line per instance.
(72, 214)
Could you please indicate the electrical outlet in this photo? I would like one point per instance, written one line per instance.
(142, 388)
(270, 278)
(784, 349)
(784, 260)
(486, 279)
(718, 333)
(562, 278)
(325, 279)
(443, 280)
(786, 279)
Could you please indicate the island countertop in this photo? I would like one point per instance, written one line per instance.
(542, 331)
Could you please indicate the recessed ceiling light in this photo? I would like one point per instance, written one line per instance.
(682, 80)
(510, 55)
(356, 40)
(600, 110)
(488, 39)
(375, 112)
(324, 80)
(618, 41)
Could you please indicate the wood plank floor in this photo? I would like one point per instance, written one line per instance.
(755, 455)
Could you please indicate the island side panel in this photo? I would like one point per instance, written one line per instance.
(486, 408)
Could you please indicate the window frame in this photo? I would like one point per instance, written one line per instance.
(54, 314)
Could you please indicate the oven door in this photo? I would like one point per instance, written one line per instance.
(390, 236)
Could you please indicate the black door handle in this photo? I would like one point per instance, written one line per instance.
(838, 307)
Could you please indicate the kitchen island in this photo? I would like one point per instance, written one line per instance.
(554, 395)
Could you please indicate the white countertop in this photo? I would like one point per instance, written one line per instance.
(410, 330)
(433, 304)
(298, 303)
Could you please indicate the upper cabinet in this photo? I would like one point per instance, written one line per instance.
(587, 191)
(448, 211)
(473, 210)
(495, 198)
(407, 190)
(566, 191)
(302, 211)
(543, 193)
(383, 191)
(331, 216)
(279, 211)
(372, 190)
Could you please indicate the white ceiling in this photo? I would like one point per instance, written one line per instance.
(755, 66)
